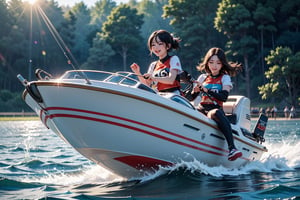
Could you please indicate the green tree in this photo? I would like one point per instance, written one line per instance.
(5, 24)
(67, 29)
(14, 44)
(264, 17)
(122, 31)
(46, 53)
(82, 31)
(12, 102)
(193, 22)
(283, 76)
(100, 12)
(152, 12)
(288, 21)
(153, 20)
(100, 54)
(5, 21)
(234, 19)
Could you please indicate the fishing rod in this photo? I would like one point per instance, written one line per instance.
(62, 45)
(186, 77)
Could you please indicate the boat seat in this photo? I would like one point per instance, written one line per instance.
(228, 108)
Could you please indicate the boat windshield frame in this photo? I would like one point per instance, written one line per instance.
(179, 99)
(120, 78)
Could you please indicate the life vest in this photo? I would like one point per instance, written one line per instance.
(214, 84)
(163, 70)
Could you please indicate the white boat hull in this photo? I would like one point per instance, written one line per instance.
(130, 131)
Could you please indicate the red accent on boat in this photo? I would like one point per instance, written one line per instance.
(143, 163)
(136, 129)
(44, 121)
(132, 121)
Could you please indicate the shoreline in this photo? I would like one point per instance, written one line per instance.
(277, 119)
(18, 116)
(27, 116)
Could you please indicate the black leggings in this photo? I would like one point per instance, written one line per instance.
(224, 125)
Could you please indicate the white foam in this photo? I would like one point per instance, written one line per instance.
(280, 157)
(91, 174)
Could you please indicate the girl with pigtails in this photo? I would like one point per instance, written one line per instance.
(162, 74)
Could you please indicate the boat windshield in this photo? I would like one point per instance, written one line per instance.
(91, 75)
(123, 78)
(182, 101)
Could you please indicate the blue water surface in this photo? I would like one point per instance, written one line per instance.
(37, 164)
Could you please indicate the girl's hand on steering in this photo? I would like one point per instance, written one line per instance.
(204, 89)
(147, 76)
(197, 86)
(196, 89)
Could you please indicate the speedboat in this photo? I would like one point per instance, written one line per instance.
(130, 129)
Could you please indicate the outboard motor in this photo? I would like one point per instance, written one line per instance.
(239, 107)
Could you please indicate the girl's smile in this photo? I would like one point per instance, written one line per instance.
(159, 48)
(214, 65)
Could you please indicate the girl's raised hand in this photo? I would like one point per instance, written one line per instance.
(135, 68)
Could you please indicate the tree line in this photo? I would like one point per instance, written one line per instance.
(262, 35)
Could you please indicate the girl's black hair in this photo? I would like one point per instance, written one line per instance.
(165, 37)
(227, 68)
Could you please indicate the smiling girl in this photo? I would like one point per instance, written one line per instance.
(215, 85)
(162, 73)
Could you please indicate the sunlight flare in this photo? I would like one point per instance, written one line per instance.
(32, 2)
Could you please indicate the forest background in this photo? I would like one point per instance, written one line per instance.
(262, 35)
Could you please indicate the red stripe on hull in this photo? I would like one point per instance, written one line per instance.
(143, 163)
(139, 123)
(134, 128)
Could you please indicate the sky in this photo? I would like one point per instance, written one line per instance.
(70, 3)
(87, 2)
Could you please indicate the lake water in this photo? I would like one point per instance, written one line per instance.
(37, 164)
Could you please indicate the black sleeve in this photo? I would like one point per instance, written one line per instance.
(221, 95)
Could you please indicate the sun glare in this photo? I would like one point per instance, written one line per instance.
(31, 1)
